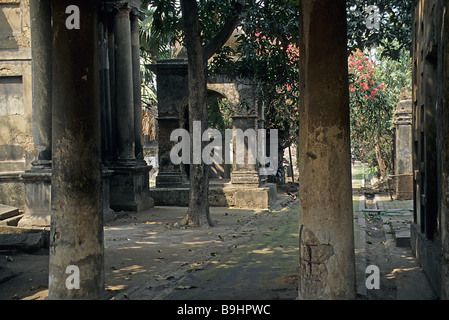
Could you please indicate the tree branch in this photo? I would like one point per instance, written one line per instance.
(225, 32)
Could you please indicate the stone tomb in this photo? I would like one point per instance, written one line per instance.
(246, 188)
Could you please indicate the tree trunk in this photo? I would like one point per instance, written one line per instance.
(198, 213)
(380, 160)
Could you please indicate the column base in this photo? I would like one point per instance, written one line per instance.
(228, 195)
(108, 213)
(129, 187)
(37, 185)
(245, 177)
(169, 180)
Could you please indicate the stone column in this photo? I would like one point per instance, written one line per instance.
(40, 16)
(37, 180)
(327, 263)
(124, 86)
(105, 88)
(245, 166)
(137, 99)
(76, 233)
(245, 172)
(129, 182)
(172, 92)
(403, 166)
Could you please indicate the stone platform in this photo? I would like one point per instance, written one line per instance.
(220, 195)
(398, 216)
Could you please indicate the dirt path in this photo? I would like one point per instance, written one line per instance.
(257, 261)
(141, 249)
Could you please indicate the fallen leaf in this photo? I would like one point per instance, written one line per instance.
(185, 287)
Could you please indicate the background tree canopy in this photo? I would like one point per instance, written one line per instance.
(267, 50)
(395, 26)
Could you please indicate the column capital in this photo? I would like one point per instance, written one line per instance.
(133, 7)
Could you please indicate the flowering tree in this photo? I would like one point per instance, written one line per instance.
(269, 53)
(278, 74)
(374, 93)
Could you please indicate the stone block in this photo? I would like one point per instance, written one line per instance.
(13, 221)
(7, 212)
(129, 188)
(245, 197)
(22, 239)
(37, 184)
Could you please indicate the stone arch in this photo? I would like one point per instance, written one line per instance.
(226, 89)
(173, 91)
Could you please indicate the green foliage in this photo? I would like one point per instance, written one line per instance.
(395, 25)
(268, 53)
(219, 114)
(375, 87)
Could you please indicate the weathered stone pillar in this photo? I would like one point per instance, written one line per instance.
(129, 182)
(37, 184)
(137, 101)
(327, 265)
(105, 88)
(403, 166)
(124, 86)
(172, 92)
(244, 164)
(40, 16)
(76, 235)
(245, 122)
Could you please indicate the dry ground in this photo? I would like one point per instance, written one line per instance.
(143, 249)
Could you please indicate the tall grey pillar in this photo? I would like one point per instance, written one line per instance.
(245, 172)
(76, 233)
(403, 164)
(37, 184)
(326, 236)
(40, 16)
(135, 48)
(172, 91)
(129, 182)
(124, 86)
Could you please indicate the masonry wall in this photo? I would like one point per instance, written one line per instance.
(429, 233)
(16, 141)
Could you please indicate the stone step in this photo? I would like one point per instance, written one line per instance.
(8, 212)
(399, 227)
